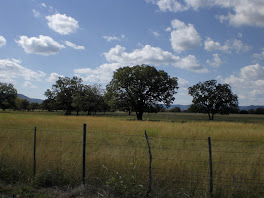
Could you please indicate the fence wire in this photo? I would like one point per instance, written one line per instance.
(103, 153)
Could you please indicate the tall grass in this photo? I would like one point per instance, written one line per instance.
(117, 154)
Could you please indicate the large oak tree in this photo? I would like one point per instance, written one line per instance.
(141, 88)
(212, 98)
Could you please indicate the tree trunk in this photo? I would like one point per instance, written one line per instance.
(210, 118)
(139, 115)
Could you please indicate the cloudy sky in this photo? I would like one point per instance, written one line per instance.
(194, 40)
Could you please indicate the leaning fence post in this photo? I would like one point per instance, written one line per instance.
(84, 148)
(150, 161)
(34, 152)
(210, 166)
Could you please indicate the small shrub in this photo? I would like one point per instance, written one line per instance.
(10, 174)
(126, 187)
(50, 178)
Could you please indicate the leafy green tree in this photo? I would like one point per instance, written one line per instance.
(86, 99)
(63, 93)
(34, 106)
(8, 96)
(259, 110)
(212, 98)
(141, 88)
(25, 105)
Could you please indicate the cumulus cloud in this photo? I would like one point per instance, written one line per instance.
(101, 74)
(153, 56)
(169, 5)
(259, 56)
(118, 57)
(210, 45)
(146, 55)
(11, 69)
(184, 37)
(62, 24)
(249, 84)
(241, 12)
(2, 41)
(43, 45)
(114, 38)
(29, 85)
(191, 63)
(183, 83)
(229, 46)
(216, 62)
(53, 77)
(74, 46)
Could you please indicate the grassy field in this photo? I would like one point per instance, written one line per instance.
(117, 155)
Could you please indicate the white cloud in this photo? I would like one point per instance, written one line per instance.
(43, 45)
(238, 46)
(62, 24)
(36, 13)
(29, 85)
(114, 38)
(146, 55)
(74, 46)
(191, 63)
(170, 5)
(259, 56)
(2, 41)
(229, 46)
(11, 69)
(101, 74)
(152, 56)
(183, 83)
(216, 62)
(184, 37)
(118, 57)
(247, 12)
(248, 84)
(210, 45)
(156, 34)
(168, 29)
(53, 77)
(43, 5)
(241, 12)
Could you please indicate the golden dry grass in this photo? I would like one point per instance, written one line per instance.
(179, 149)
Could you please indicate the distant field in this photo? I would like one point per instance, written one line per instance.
(116, 143)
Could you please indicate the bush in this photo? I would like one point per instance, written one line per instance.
(50, 178)
(9, 174)
(243, 112)
(126, 187)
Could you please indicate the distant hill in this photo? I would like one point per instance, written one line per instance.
(250, 107)
(31, 100)
(185, 107)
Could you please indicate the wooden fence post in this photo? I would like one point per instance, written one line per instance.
(34, 152)
(150, 161)
(210, 166)
(84, 153)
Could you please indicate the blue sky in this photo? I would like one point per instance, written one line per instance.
(194, 40)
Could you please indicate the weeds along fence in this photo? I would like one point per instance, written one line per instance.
(199, 166)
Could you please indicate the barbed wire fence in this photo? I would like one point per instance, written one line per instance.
(195, 163)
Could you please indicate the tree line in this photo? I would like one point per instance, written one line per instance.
(138, 89)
